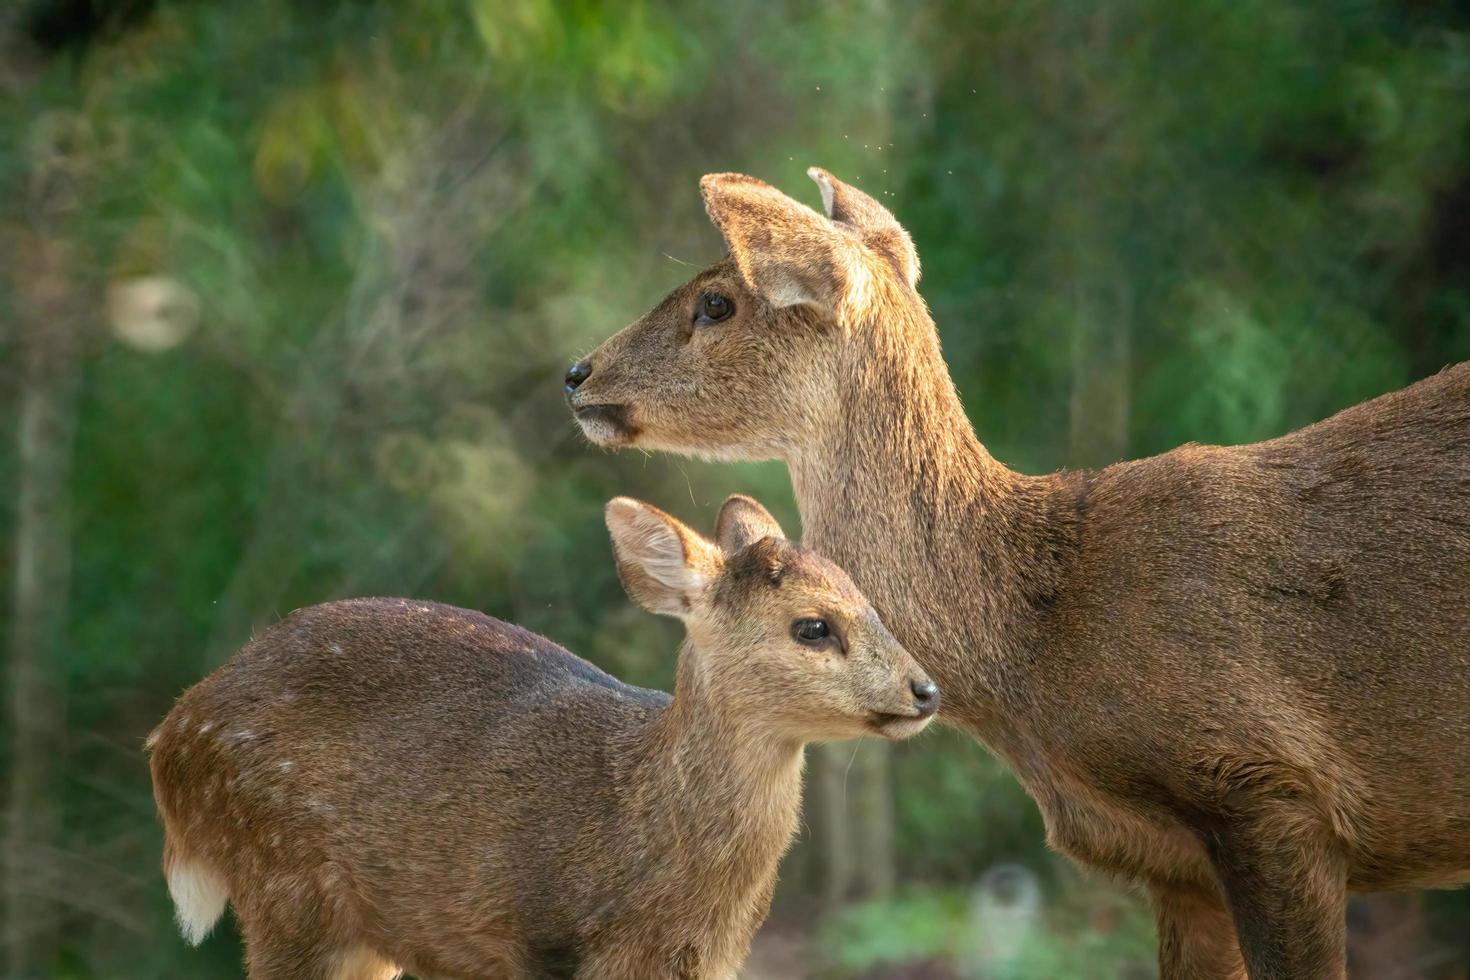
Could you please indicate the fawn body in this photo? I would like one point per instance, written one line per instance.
(385, 784)
(1238, 675)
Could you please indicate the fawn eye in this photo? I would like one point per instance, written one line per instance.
(713, 308)
(811, 631)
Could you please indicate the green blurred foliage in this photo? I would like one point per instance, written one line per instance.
(387, 227)
(1081, 931)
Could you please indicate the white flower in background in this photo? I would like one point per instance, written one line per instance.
(152, 313)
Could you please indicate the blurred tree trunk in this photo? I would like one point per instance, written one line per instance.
(46, 334)
(855, 803)
(46, 340)
(835, 829)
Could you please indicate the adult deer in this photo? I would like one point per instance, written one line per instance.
(384, 784)
(1238, 675)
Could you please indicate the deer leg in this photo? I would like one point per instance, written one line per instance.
(361, 963)
(622, 960)
(275, 958)
(1196, 935)
(272, 958)
(294, 944)
(1286, 885)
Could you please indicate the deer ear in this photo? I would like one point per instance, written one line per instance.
(743, 522)
(785, 251)
(878, 227)
(663, 564)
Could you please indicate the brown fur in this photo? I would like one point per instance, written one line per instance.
(1239, 676)
(385, 784)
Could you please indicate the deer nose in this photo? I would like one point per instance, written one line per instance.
(576, 374)
(926, 697)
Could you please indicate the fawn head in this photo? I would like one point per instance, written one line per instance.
(777, 633)
(748, 359)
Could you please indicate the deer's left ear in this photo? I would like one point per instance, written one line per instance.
(786, 252)
(878, 227)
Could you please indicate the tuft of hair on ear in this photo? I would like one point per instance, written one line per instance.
(878, 227)
(786, 252)
(662, 563)
(743, 522)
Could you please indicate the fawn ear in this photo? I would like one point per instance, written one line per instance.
(785, 251)
(743, 522)
(663, 564)
(878, 227)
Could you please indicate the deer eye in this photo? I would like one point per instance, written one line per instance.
(811, 631)
(713, 308)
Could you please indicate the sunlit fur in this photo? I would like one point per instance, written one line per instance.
(1239, 676)
(760, 348)
(386, 784)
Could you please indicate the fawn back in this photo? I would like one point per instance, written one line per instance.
(386, 784)
(1237, 674)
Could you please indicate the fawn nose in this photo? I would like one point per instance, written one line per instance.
(926, 697)
(576, 374)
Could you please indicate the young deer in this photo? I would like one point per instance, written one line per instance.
(383, 784)
(1238, 675)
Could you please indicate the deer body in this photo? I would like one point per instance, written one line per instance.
(1239, 676)
(1270, 640)
(386, 784)
(1293, 615)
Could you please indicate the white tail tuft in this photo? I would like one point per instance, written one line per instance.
(199, 899)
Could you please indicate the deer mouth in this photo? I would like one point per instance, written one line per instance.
(606, 425)
(897, 727)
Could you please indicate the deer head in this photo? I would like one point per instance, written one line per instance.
(778, 634)
(753, 357)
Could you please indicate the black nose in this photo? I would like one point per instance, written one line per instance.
(578, 373)
(926, 696)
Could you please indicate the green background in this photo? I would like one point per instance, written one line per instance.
(296, 284)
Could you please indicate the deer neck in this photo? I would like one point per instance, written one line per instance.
(944, 540)
(728, 787)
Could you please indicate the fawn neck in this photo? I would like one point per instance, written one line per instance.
(704, 756)
(944, 540)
